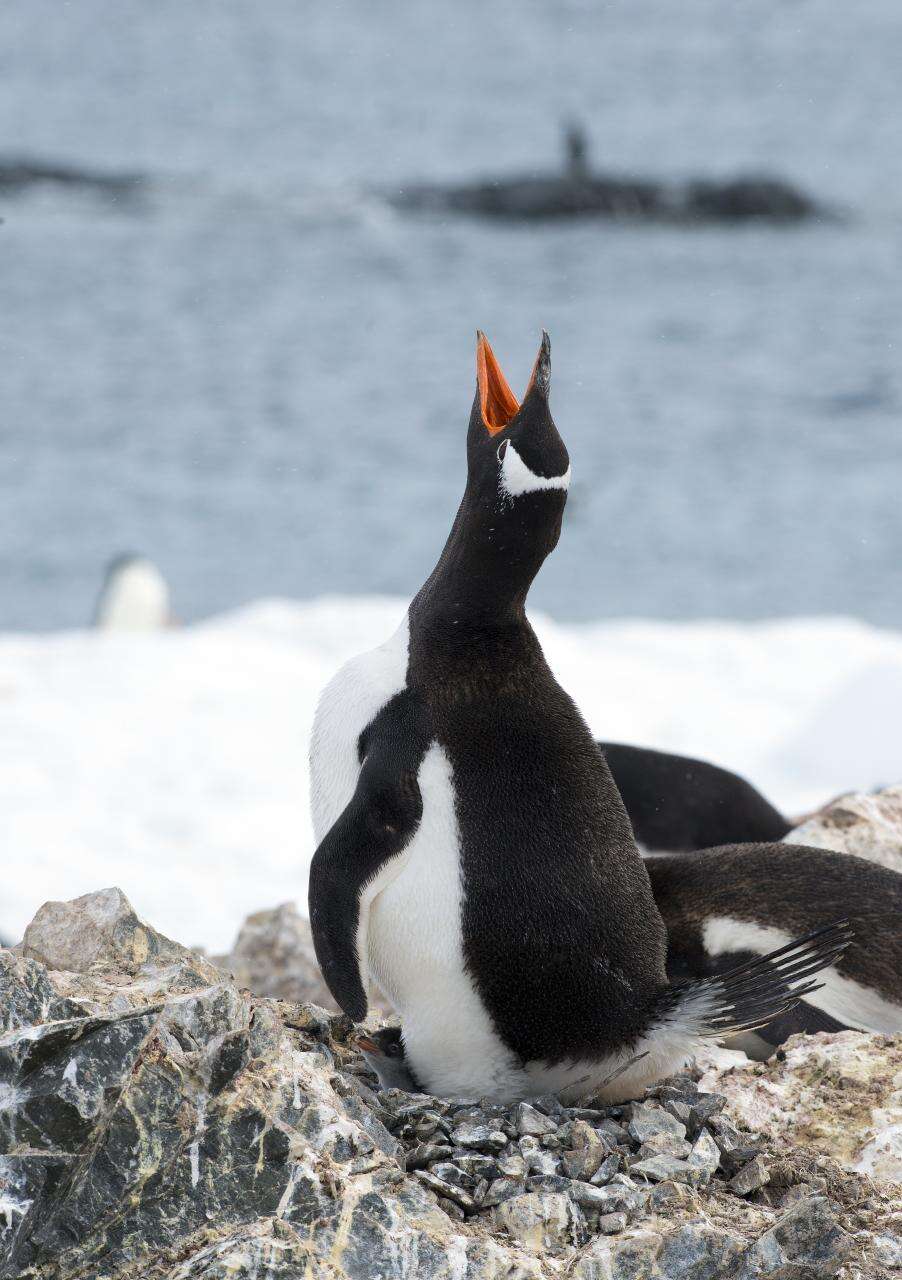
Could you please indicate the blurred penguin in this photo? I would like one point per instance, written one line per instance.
(134, 596)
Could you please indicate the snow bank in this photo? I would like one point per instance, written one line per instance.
(174, 764)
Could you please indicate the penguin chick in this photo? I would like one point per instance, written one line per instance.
(383, 1052)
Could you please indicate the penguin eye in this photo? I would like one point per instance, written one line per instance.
(502, 450)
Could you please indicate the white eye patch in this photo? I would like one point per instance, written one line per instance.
(516, 478)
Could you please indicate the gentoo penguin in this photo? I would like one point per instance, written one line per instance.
(383, 1052)
(134, 596)
(677, 804)
(475, 860)
(723, 906)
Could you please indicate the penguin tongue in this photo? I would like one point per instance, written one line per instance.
(497, 401)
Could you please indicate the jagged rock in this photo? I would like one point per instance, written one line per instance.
(649, 1120)
(27, 996)
(163, 1124)
(589, 1151)
(273, 956)
(531, 1121)
(542, 1223)
(99, 932)
(839, 1093)
(751, 1177)
(870, 826)
(808, 1236)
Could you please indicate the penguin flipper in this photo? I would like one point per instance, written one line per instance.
(376, 825)
(753, 993)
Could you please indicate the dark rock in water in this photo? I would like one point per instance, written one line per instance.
(578, 192)
(533, 199)
(20, 175)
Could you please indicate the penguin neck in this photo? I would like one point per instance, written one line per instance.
(482, 577)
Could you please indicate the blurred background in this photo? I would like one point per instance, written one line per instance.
(236, 352)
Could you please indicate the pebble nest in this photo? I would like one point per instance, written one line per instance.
(613, 1163)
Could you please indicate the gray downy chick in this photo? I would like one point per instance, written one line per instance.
(383, 1051)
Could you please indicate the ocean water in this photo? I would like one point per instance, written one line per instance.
(260, 373)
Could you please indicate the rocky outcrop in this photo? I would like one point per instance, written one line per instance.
(838, 1094)
(273, 956)
(156, 1121)
(868, 825)
(18, 175)
(552, 197)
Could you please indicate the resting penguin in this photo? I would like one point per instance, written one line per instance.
(476, 862)
(134, 596)
(723, 906)
(677, 804)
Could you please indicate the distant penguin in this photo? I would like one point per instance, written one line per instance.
(724, 906)
(677, 804)
(383, 1052)
(476, 862)
(134, 596)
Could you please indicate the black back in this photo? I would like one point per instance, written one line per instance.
(677, 804)
(788, 887)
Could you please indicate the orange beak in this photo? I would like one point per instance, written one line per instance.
(497, 402)
(364, 1042)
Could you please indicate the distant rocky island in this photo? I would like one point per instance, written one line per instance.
(578, 191)
(20, 174)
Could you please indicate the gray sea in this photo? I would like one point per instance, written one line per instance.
(260, 373)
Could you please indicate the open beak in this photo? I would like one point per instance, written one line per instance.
(364, 1043)
(497, 402)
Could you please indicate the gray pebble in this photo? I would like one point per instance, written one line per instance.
(502, 1189)
(609, 1224)
(479, 1136)
(750, 1178)
(426, 1153)
(529, 1121)
(476, 1165)
(606, 1170)
(648, 1119)
(446, 1190)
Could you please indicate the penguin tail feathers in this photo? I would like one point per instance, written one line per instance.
(753, 993)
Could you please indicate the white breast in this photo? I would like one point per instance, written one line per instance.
(415, 954)
(347, 705)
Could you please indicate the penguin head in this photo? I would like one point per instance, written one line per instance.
(509, 519)
(518, 470)
(513, 449)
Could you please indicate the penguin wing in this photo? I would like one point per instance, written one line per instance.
(377, 824)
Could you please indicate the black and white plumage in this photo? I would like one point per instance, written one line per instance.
(728, 905)
(677, 804)
(476, 862)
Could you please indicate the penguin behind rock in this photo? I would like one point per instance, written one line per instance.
(475, 860)
(677, 804)
(134, 596)
(724, 906)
